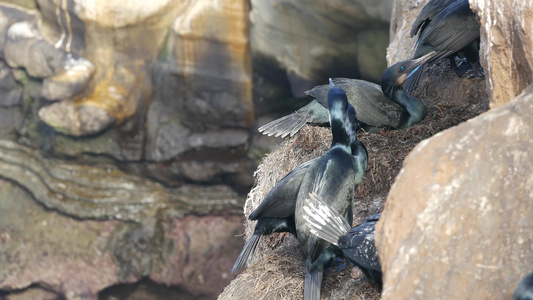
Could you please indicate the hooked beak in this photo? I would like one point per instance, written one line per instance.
(416, 63)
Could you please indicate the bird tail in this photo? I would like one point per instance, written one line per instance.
(313, 281)
(287, 125)
(247, 252)
(323, 221)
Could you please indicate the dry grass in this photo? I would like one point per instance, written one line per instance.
(278, 271)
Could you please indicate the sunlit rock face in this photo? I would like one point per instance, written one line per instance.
(120, 42)
(203, 100)
(457, 223)
(506, 46)
(315, 40)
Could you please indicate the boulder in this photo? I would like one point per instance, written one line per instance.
(457, 223)
(506, 46)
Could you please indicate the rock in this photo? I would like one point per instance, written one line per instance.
(313, 41)
(404, 13)
(60, 25)
(69, 118)
(10, 91)
(193, 253)
(26, 48)
(103, 191)
(69, 82)
(506, 46)
(10, 15)
(462, 199)
(204, 76)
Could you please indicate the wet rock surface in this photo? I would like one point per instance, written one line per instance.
(457, 222)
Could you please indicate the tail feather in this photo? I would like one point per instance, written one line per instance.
(247, 253)
(287, 125)
(323, 221)
(313, 281)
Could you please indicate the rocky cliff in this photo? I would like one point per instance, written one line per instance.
(455, 222)
(126, 128)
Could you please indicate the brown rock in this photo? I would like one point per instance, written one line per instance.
(457, 223)
(506, 46)
(76, 259)
(69, 82)
(205, 76)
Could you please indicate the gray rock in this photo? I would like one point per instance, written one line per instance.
(313, 41)
(10, 91)
(71, 80)
(457, 223)
(10, 15)
(26, 48)
(40, 247)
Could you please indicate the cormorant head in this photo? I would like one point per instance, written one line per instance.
(337, 99)
(395, 75)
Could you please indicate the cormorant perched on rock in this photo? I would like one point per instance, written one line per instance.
(356, 243)
(450, 28)
(377, 107)
(334, 177)
(524, 291)
(276, 212)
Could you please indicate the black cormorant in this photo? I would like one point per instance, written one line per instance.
(356, 243)
(276, 212)
(450, 28)
(334, 177)
(387, 106)
(524, 291)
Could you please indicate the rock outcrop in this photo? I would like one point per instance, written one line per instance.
(506, 46)
(457, 223)
(313, 41)
(47, 255)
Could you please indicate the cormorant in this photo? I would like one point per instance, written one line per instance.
(377, 107)
(334, 177)
(356, 243)
(524, 291)
(276, 212)
(450, 28)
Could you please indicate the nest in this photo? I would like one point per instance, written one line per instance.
(277, 271)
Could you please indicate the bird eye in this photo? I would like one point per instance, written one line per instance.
(402, 68)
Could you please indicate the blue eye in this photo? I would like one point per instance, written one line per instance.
(402, 68)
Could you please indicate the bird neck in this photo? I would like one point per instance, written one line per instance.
(415, 109)
(338, 132)
(360, 156)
